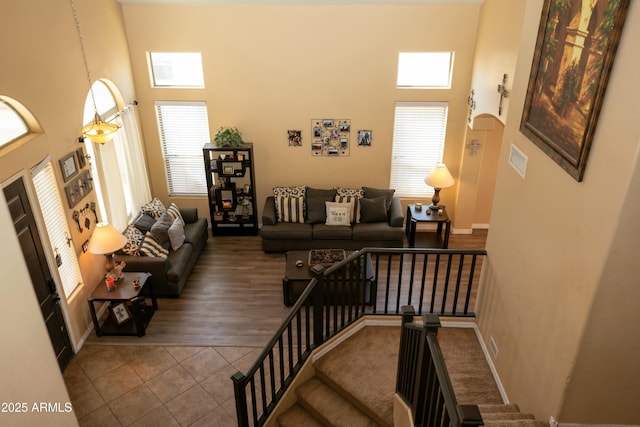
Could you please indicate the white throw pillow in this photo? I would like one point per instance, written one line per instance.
(176, 234)
(338, 213)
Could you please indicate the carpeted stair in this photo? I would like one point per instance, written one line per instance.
(354, 384)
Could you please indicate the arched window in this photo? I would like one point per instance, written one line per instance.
(12, 124)
(119, 169)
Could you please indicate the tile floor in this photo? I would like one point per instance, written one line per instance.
(113, 385)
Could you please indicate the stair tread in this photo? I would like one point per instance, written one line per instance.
(296, 416)
(319, 399)
(498, 407)
(506, 416)
(515, 423)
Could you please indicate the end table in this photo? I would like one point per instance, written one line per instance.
(425, 214)
(129, 313)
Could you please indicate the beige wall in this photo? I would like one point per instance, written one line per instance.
(43, 70)
(557, 295)
(273, 68)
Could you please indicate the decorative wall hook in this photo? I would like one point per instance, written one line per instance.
(472, 105)
(504, 93)
(76, 218)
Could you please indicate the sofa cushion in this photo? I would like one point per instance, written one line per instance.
(193, 231)
(373, 210)
(374, 193)
(134, 239)
(174, 212)
(160, 230)
(329, 232)
(176, 234)
(315, 209)
(154, 208)
(178, 262)
(290, 209)
(339, 213)
(151, 247)
(144, 222)
(377, 231)
(286, 231)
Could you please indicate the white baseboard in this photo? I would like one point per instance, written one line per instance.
(480, 226)
(462, 231)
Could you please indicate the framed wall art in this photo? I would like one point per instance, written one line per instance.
(364, 138)
(69, 166)
(575, 51)
(330, 137)
(295, 138)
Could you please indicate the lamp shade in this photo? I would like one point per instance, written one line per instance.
(440, 177)
(105, 239)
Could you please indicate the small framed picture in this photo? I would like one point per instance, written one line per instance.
(69, 166)
(295, 138)
(228, 170)
(120, 313)
(364, 138)
(82, 160)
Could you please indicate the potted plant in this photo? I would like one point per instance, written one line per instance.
(228, 137)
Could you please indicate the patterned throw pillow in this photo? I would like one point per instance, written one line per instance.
(154, 208)
(150, 247)
(295, 191)
(338, 213)
(175, 212)
(353, 195)
(134, 240)
(291, 209)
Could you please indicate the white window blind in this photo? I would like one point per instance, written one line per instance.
(184, 129)
(57, 228)
(418, 143)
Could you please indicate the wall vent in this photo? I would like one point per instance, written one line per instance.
(518, 160)
(493, 347)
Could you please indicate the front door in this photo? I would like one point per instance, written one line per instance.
(41, 278)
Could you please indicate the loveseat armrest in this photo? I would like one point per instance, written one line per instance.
(269, 211)
(157, 266)
(190, 215)
(396, 215)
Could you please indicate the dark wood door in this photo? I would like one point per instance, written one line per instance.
(41, 278)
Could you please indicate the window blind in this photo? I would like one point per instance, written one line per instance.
(184, 129)
(57, 229)
(418, 144)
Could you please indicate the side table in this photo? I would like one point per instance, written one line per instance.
(129, 313)
(435, 239)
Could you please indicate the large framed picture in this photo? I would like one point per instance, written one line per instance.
(575, 50)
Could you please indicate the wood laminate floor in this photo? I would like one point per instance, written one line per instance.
(233, 297)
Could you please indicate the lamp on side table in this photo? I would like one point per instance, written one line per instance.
(106, 240)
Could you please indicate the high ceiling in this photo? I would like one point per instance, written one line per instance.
(290, 2)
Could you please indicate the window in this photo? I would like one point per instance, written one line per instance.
(177, 69)
(418, 143)
(12, 126)
(184, 129)
(54, 215)
(425, 69)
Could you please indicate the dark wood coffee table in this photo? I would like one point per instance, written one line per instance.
(297, 278)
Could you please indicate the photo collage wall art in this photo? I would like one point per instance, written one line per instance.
(330, 137)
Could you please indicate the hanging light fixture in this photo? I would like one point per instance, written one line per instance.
(99, 131)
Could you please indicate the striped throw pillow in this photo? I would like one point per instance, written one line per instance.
(354, 215)
(174, 212)
(150, 247)
(291, 209)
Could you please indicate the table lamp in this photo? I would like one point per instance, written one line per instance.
(439, 178)
(105, 240)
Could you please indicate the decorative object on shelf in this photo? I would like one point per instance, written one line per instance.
(106, 240)
(110, 283)
(69, 166)
(295, 138)
(574, 54)
(120, 313)
(439, 178)
(504, 93)
(364, 138)
(228, 137)
(99, 131)
(330, 137)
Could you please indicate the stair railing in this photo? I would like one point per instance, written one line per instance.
(372, 281)
(423, 381)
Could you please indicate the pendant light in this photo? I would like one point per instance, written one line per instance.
(99, 131)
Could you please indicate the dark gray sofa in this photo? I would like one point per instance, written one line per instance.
(169, 275)
(280, 236)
